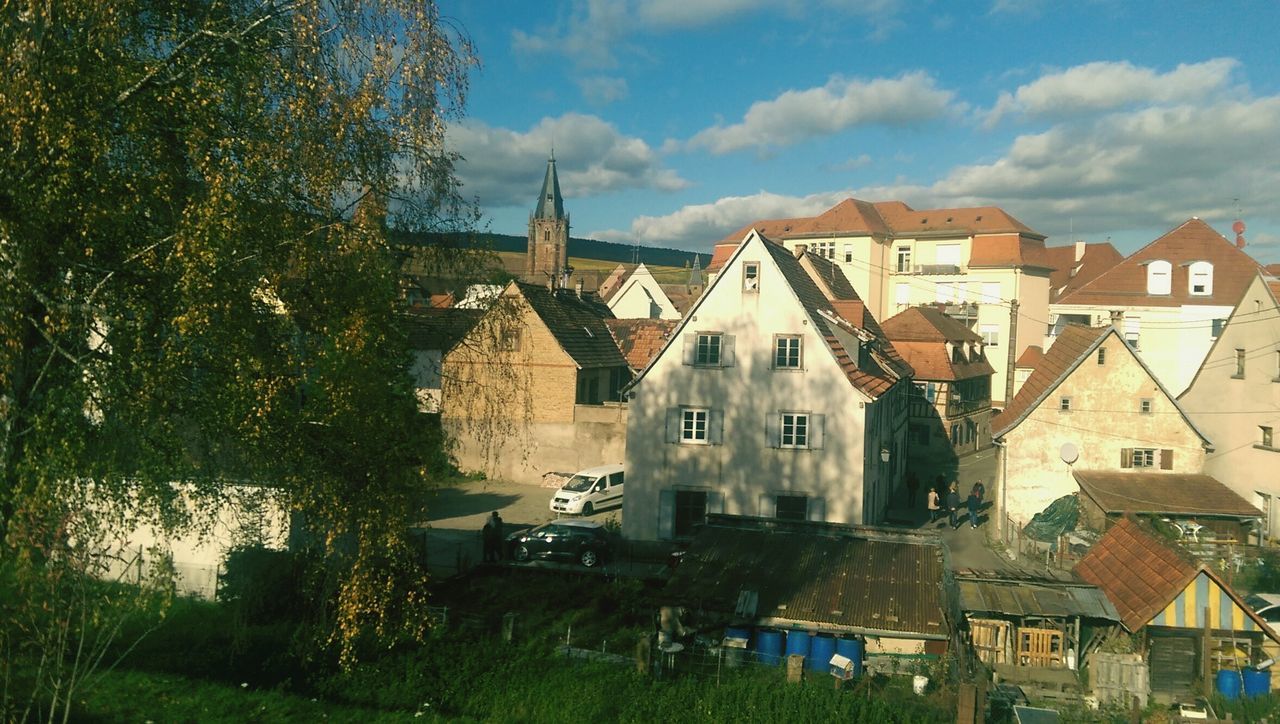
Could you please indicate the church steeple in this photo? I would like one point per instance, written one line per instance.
(548, 254)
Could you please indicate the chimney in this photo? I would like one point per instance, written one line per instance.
(577, 287)
(1079, 251)
(801, 249)
(1117, 321)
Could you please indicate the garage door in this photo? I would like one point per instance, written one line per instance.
(1173, 664)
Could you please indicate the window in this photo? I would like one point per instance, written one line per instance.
(1144, 406)
(1200, 278)
(1144, 457)
(690, 511)
(751, 276)
(825, 249)
(990, 334)
(1064, 404)
(904, 260)
(1132, 330)
(795, 430)
(786, 353)
(546, 235)
(1158, 277)
(791, 507)
(509, 340)
(693, 425)
(708, 350)
(1239, 364)
(848, 253)
(902, 294)
(947, 255)
(1218, 325)
(1266, 436)
(990, 292)
(1102, 355)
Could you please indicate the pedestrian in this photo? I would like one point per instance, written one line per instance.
(975, 500)
(981, 490)
(488, 537)
(953, 503)
(498, 539)
(913, 484)
(935, 505)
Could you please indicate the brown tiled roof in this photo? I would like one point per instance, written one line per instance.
(1005, 250)
(1137, 571)
(1162, 493)
(1069, 275)
(640, 339)
(1275, 289)
(613, 282)
(680, 296)
(439, 329)
(721, 253)
(906, 221)
(1073, 343)
(816, 575)
(577, 324)
(920, 335)
(1030, 357)
(1125, 284)
(1273, 269)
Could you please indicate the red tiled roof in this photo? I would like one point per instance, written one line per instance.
(1073, 343)
(723, 250)
(906, 221)
(640, 339)
(1162, 493)
(1003, 250)
(1125, 284)
(920, 335)
(1137, 571)
(1070, 274)
(1030, 357)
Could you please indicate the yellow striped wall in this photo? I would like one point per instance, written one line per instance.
(1187, 609)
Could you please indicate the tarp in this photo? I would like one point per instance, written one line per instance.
(1050, 523)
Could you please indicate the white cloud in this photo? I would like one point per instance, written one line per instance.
(603, 90)
(502, 167)
(1104, 86)
(850, 164)
(698, 226)
(797, 115)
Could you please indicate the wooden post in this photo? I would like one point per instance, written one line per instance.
(795, 668)
(1206, 654)
(966, 706)
(508, 626)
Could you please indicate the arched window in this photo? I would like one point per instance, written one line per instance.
(1200, 278)
(1158, 277)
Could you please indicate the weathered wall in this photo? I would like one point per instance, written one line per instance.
(596, 436)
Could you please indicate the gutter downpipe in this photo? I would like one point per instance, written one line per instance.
(1003, 467)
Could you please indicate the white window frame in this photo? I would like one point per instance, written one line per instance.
(990, 334)
(902, 259)
(689, 418)
(902, 294)
(1268, 436)
(848, 253)
(709, 360)
(1159, 278)
(1145, 457)
(948, 254)
(1201, 271)
(797, 348)
(798, 436)
(1064, 403)
(1144, 406)
(750, 276)
(1133, 331)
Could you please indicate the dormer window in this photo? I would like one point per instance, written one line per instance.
(751, 276)
(1159, 273)
(1200, 278)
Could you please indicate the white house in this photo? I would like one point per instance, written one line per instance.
(1169, 298)
(641, 297)
(776, 396)
(1235, 399)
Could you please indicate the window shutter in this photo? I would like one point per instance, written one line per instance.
(817, 431)
(1166, 460)
(772, 431)
(690, 348)
(768, 505)
(817, 509)
(1126, 457)
(727, 358)
(715, 427)
(673, 424)
(715, 503)
(666, 513)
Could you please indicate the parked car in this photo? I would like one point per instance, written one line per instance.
(590, 490)
(1266, 605)
(584, 541)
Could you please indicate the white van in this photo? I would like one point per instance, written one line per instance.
(590, 490)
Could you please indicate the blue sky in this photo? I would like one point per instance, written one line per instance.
(677, 121)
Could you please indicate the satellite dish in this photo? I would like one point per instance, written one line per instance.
(1238, 227)
(1069, 452)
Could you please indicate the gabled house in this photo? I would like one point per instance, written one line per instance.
(1078, 264)
(1169, 298)
(534, 386)
(432, 330)
(640, 340)
(640, 296)
(950, 410)
(1191, 622)
(1090, 404)
(1235, 398)
(974, 261)
(777, 395)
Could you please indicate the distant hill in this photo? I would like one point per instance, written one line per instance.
(581, 248)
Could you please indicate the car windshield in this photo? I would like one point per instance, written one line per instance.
(580, 483)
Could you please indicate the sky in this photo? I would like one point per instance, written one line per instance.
(675, 122)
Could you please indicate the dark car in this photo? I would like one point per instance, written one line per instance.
(584, 541)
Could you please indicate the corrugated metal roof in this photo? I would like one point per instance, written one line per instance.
(1039, 598)
(821, 576)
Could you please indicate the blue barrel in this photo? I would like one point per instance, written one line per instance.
(1229, 683)
(1257, 683)
(769, 646)
(820, 650)
(798, 642)
(853, 650)
(737, 632)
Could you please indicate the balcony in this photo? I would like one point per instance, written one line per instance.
(937, 268)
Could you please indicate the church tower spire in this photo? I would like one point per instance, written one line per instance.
(548, 251)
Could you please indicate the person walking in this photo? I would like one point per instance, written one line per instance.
(935, 505)
(953, 504)
(488, 537)
(974, 502)
(495, 520)
(981, 490)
